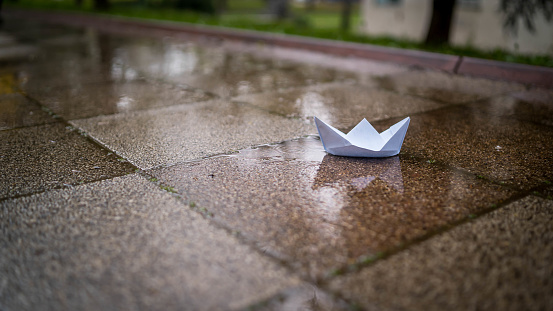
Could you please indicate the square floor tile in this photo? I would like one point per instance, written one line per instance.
(124, 243)
(40, 158)
(501, 261)
(341, 105)
(187, 132)
(504, 150)
(17, 111)
(89, 100)
(445, 87)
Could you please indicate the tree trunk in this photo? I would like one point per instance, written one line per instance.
(309, 5)
(278, 8)
(220, 6)
(346, 15)
(440, 23)
(101, 5)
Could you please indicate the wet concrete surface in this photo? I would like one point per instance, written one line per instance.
(90, 100)
(302, 297)
(110, 247)
(504, 150)
(252, 202)
(339, 104)
(39, 158)
(320, 212)
(225, 73)
(186, 132)
(18, 111)
(446, 87)
(532, 106)
(498, 262)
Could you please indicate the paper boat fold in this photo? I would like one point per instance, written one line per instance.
(363, 140)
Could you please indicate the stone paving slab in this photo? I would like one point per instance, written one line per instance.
(445, 87)
(227, 73)
(535, 105)
(341, 105)
(94, 59)
(38, 158)
(17, 111)
(504, 150)
(501, 261)
(319, 212)
(90, 100)
(187, 132)
(124, 244)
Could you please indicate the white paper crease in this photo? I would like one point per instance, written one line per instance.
(363, 140)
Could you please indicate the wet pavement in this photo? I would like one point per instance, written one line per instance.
(166, 172)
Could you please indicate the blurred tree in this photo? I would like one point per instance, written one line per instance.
(220, 6)
(309, 5)
(525, 10)
(206, 6)
(278, 8)
(440, 22)
(346, 15)
(101, 5)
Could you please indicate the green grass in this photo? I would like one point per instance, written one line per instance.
(319, 23)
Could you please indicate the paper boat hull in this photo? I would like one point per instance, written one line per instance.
(354, 151)
(337, 143)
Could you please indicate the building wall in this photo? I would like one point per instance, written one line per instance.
(476, 23)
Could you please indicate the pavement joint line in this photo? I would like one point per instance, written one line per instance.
(365, 262)
(28, 126)
(181, 196)
(262, 304)
(81, 132)
(61, 120)
(224, 154)
(61, 187)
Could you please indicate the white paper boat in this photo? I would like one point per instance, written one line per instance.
(363, 140)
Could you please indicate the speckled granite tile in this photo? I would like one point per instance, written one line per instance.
(39, 158)
(534, 105)
(124, 244)
(228, 73)
(74, 60)
(17, 111)
(186, 132)
(319, 212)
(504, 150)
(445, 87)
(341, 105)
(501, 261)
(89, 100)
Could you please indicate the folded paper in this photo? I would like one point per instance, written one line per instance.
(363, 140)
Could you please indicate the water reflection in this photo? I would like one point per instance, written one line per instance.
(359, 172)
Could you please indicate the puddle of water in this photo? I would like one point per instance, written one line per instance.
(309, 149)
